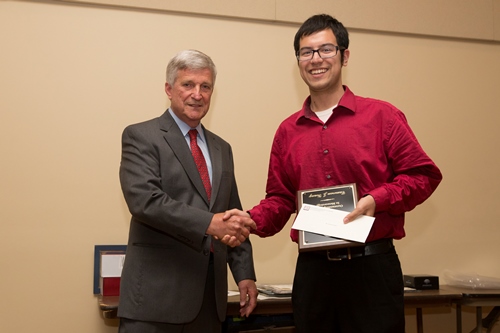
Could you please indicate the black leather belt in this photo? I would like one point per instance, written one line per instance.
(348, 253)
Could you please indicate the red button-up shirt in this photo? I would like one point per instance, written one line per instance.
(365, 141)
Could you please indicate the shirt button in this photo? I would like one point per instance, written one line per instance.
(325, 151)
(325, 127)
(328, 176)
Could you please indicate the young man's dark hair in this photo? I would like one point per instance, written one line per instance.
(322, 22)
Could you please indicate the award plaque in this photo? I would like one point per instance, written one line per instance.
(342, 197)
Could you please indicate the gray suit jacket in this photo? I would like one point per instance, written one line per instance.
(165, 268)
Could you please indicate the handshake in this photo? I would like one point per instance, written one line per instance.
(231, 227)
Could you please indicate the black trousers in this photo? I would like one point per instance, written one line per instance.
(207, 320)
(361, 295)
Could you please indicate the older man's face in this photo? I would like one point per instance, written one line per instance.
(190, 95)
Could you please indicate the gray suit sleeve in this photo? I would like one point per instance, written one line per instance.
(155, 186)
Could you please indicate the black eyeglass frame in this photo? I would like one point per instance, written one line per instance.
(337, 49)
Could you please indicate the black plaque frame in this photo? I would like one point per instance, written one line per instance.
(341, 197)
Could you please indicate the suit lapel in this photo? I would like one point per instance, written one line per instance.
(174, 138)
(214, 149)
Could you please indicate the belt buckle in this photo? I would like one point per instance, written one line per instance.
(339, 259)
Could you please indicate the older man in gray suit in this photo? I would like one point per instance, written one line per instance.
(175, 274)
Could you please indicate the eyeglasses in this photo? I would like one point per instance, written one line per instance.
(326, 51)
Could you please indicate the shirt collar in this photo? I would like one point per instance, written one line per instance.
(347, 101)
(185, 127)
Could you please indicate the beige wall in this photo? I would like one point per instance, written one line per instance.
(72, 77)
(424, 17)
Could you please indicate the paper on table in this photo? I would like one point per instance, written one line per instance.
(275, 289)
(329, 222)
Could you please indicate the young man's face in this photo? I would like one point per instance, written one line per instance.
(190, 95)
(321, 74)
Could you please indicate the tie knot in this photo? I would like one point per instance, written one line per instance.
(193, 134)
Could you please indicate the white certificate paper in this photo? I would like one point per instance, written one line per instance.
(329, 222)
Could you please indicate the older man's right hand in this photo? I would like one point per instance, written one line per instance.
(232, 227)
